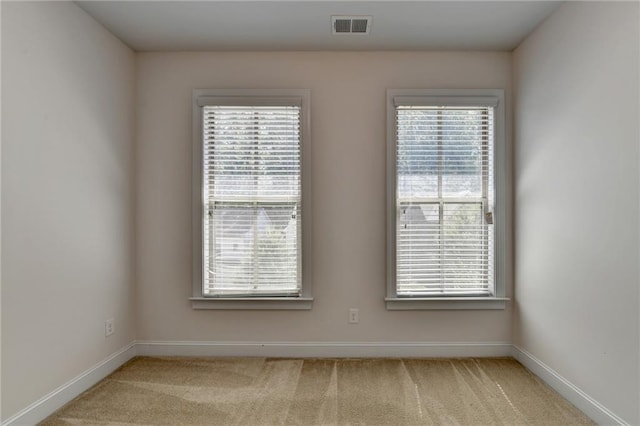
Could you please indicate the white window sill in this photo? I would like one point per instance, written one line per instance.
(245, 303)
(444, 303)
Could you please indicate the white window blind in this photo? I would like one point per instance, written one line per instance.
(251, 200)
(444, 201)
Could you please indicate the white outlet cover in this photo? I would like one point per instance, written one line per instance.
(353, 316)
(109, 328)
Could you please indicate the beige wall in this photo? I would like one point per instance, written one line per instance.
(348, 92)
(576, 177)
(67, 197)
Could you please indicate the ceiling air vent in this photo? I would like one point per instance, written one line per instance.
(350, 24)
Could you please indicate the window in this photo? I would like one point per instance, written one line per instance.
(446, 209)
(251, 155)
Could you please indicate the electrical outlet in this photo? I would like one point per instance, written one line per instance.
(109, 327)
(354, 316)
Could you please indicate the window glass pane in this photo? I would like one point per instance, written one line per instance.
(418, 254)
(465, 248)
(462, 151)
(417, 153)
(252, 151)
(252, 249)
(277, 247)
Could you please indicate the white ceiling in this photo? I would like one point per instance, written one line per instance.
(306, 25)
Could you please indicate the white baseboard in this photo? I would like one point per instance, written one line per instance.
(324, 349)
(592, 408)
(54, 400)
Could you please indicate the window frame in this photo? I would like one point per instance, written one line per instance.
(448, 97)
(247, 97)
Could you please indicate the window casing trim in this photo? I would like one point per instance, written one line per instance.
(448, 97)
(250, 97)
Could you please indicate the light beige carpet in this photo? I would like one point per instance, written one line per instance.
(259, 391)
